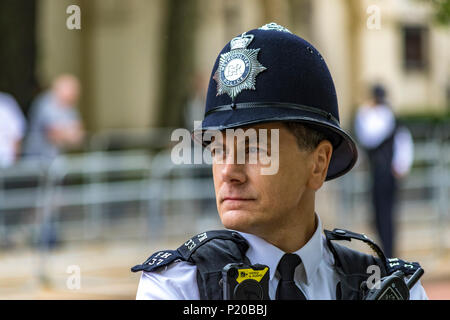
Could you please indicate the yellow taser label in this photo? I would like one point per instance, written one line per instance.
(245, 274)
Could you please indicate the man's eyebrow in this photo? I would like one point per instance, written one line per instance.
(212, 138)
(257, 141)
(215, 143)
(223, 140)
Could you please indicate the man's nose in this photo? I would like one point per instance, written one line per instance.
(232, 172)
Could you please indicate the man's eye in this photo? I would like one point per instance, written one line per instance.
(252, 149)
(217, 152)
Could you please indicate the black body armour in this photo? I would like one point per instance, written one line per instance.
(212, 250)
(380, 157)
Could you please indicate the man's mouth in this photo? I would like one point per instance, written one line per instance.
(235, 203)
(236, 199)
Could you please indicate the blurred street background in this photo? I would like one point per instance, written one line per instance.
(91, 91)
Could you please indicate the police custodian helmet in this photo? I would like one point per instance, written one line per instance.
(269, 74)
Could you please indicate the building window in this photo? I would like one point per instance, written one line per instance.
(415, 47)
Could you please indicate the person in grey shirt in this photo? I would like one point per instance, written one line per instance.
(55, 123)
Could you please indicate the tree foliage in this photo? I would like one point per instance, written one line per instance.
(442, 11)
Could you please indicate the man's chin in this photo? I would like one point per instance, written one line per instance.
(239, 220)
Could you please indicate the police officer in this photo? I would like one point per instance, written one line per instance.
(272, 81)
(389, 149)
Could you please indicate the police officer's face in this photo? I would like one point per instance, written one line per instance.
(251, 202)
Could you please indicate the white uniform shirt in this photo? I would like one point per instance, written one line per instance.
(12, 128)
(374, 124)
(316, 276)
(402, 160)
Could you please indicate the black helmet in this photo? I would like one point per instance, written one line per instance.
(379, 93)
(269, 74)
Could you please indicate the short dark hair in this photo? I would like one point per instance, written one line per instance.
(307, 137)
(379, 93)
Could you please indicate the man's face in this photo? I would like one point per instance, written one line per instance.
(67, 90)
(251, 202)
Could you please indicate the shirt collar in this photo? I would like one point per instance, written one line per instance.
(311, 252)
(263, 252)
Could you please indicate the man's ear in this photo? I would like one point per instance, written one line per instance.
(321, 157)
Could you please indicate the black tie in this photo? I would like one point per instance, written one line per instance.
(287, 290)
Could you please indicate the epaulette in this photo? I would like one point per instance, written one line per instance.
(408, 268)
(391, 264)
(157, 260)
(184, 252)
(341, 234)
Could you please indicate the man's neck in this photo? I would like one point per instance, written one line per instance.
(295, 236)
(295, 230)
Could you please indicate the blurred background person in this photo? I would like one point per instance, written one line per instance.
(54, 127)
(389, 149)
(55, 124)
(12, 129)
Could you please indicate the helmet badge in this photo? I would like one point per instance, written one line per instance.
(274, 26)
(238, 68)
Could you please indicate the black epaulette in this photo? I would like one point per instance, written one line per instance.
(157, 260)
(210, 251)
(184, 252)
(352, 265)
(391, 264)
(341, 234)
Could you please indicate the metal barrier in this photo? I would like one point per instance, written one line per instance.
(28, 180)
(170, 182)
(158, 182)
(94, 181)
(52, 192)
(426, 189)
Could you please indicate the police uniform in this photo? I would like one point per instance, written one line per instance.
(388, 146)
(264, 75)
(316, 276)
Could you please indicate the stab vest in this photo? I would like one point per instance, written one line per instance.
(212, 250)
(380, 157)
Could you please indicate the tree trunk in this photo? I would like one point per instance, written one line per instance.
(177, 71)
(18, 50)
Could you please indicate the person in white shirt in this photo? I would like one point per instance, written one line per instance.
(12, 130)
(269, 215)
(390, 153)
